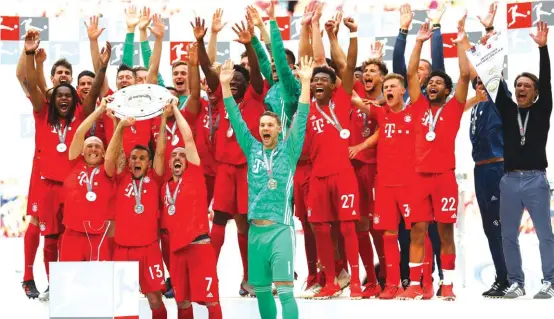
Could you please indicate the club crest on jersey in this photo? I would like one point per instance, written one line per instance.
(34, 207)
(147, 179)
(408, 118)
(42, 226)
(309, 211)
(376, 219)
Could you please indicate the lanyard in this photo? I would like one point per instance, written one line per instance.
(334, 121)
(93, 129)
(522, 127)
(138, 191)
(433, 122)
(269, 164)
(474, 112)
(61, 136)
(212, 127)
(172, 198)
(90, 179)
(172, 129)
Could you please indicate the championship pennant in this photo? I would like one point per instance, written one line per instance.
(488, 60)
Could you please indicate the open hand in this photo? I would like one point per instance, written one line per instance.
(92, 28)
(199, 28)
(541, 37)
(306, 68)
(227, 72)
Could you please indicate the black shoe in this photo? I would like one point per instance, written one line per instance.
(382, 282)
(405, 283)
(169, 293)
(439, 291)
(498, 289)
(30, 289)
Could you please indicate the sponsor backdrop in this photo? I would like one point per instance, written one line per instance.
(63, 34)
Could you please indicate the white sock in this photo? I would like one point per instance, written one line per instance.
(448, 277)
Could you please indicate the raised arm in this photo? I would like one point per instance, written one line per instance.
(216, 27)
(161, 142)
(545, 86)
(113, 151)
(437, 52)
(463, 81)
(317, 41)
(304, 45)
(132, 20)
(200, 30)
(337, 54)
(32, 42)
(94, 33)
(480, 96)
(244, 137)
(414, 87)
(40, 57)
(76, 146)
(157, 29)
(193, 101)
(144, 22)
(253, 19)
(398, 59)
(245, 37)
(488, 24)
(90, 100)
(20, 72)
(348, 76)
(188, 137)
(297, 133)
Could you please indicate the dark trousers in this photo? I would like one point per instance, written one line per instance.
(487, 189)
(531, 190)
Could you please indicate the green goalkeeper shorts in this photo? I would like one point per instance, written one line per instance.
(271, 250)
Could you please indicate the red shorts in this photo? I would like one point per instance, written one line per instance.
(333, 198)
(50, 214)
(77, 246)
(365, 174)
(391, 203)
(151, 267)
(210, 183)
(300, 189)
(439, 194)
(194, 274)
(231, 189)
(34, 190)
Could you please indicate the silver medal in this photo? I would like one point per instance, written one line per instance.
(365, 132)
(91, 196)
(139, 209)
(61, 147)
(344, 133)
(272, 184)
(230, 132)
(430, 136)
(175, 140)
(522, 140)
(171, 210)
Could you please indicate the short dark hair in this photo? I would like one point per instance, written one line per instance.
(273, 115)
(358, 69)
(243, 55)
(142, 148)
(530, 76)
(170, 88)
(85, 73)
(379, 63)
(331, 64)
(290, 56)
(139, 68)
(125, 67)
(61, 62)
(243, 70)
(322, 69)
(178, 63)
(53, 118)
(447, 79)
(427, 61)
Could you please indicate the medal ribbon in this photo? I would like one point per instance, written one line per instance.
(212, 127)
(269, 164)
(61, 136)
(334, 121)
(90, 179)
(172, 198)
(138, 191)
(172, 129)
(522, 127)
(433, 123)
(92, 129)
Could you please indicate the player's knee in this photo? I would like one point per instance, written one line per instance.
(154, 300)
(417, 233)
(391, 232)
(211, 304)
(111, 228)
(34, 220)
(185, 304)
(347, 228)
(446, 233)
(221, 218)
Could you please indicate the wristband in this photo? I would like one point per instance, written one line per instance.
(32, 52)
(489, 29)
(403, 31)
(353, 35)
(436, 26)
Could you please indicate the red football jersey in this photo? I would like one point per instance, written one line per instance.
(55, 165)
(80, 212)
(361, 127)
(190, 219)
(173, 136)
(206, 136)
(328, 151)
(437, 156)
(251, 108)
(396, 146)
(137, 229)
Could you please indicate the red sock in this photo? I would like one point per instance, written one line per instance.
(30, 242)
(50, 251)
(348, 230)
(415, 273)
(243, 247)
(390, 243)
(185, 313)
(217, 237)
(311, 252)
(379, 244)
(428, 262)
(214, 312)
(366, 253)
(342, 262)
(164, 238)
(325, 250)
(160, 313)
(448, 264)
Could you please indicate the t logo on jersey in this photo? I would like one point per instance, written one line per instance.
(389, 129)
(129, 190)
(259, 164)
(83, 178)
(318, 125)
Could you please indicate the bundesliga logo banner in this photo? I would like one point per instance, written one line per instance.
(488, 60)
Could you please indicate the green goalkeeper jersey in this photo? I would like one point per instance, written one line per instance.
(270, 197)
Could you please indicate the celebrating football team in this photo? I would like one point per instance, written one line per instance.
(364, 158)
